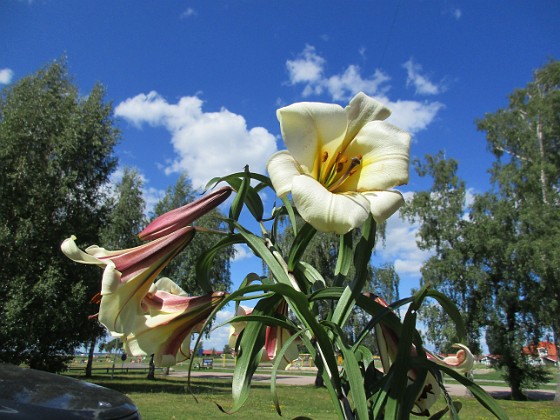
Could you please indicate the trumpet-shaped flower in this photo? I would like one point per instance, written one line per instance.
(388, 344)
(128, 274)
(170, 316)
(275, 338)
(185, 215)
(341, 163)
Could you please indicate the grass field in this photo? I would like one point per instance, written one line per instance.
(168, 398)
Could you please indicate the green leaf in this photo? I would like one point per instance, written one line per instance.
(309, 273)
(206, 260)
(239, 200)
(279, 357)
(344, 260)
(250, 350)
(400, 367)
(352, 371)
(299, 245)
(451, 309)
(269, 257)
(291, 213)
(236, 176)
(481, 396)
(362, 255)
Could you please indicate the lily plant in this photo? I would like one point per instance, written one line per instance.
(338, 174)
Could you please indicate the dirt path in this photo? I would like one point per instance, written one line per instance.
(498, 392)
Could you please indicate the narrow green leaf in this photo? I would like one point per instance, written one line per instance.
(206, 261)
(250, 351)
(291, 213)
(261, 249)
(451, 309)
(309, 273)
(352, 371)
(344, 260)
(482, 397)
(275, 366)
(362, 255)
(239, 200)
(299, 245)
(264, 180)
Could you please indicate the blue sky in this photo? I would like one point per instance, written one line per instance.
(195, 84)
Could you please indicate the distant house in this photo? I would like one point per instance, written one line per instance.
(542, 354)
(489, 359)
(212, 352)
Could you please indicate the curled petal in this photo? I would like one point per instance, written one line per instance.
(328, 212)
(71, 250)
(282, 168)
(361, 110)
(147, 259)
(120, 310)
(462, 362)
(383, 204)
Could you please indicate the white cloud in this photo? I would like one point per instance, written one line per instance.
(457, 14)
(421, 83)
(413, 116)
(308, 67)
(309, 70)
(6, 76)
(400, 247)
(219, 337)
(242, 252)
(344, 86)
(207, 144)
(189, 12)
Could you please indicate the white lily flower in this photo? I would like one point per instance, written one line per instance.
(341, 163)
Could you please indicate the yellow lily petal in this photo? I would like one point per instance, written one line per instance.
(385, 151)
(310, 129)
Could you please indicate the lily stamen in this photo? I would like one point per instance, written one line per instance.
(356, 160)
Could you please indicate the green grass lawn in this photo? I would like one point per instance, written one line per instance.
(168, 398)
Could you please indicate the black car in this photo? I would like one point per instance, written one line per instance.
(34, 394)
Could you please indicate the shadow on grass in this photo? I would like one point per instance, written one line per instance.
(136, 384)
(532, 395)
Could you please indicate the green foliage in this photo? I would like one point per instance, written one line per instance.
(126, 217)
(497, 264)
(323, 300)
(56, 156)
(440, 212)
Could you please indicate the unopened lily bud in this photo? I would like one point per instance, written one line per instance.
(185, 215)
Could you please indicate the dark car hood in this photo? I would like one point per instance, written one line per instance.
(29, 393)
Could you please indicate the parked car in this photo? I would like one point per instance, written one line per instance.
(34, 394)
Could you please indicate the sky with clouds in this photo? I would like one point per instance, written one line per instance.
(195, 85)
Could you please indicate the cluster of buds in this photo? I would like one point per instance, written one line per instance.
(152, 317)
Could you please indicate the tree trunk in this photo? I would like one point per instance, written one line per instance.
(557, 395)
(152, 370)
(89, 365)
(556, 341)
